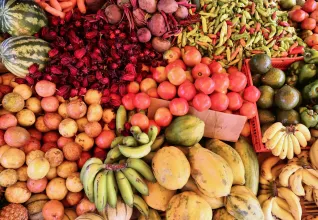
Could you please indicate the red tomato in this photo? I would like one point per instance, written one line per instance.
(104, 139)
(206, 60)
(84, 157)
(235, 101)
(187, 91)
(315, 30)
(163, 117)
(191, 57)
(99, 153)
(314, 15)
(232, 69)
(297, 15)
(201, 102)
(221, 81)
(215, 67)
(177, 76)
(310, 6)
(175, 63)
(140, 120)
(179, 106)
(171, 55)
(219, 102)
(238, 81)
(205, 85)
(312, 40)
(133, 87)
(186, 48)
(251, 94)
(147, 84)
(128, 101)
(308, 24)
(141, 100)
(177, 51)
(153, 93)
(166, 90)
(200, 70)
(153, 123)
(248, 109)
(159, 74)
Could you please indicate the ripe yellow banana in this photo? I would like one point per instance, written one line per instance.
(315, 196)
(310, 179)
(158, 143)
(309, 192)
(313, 154)
(263, 197)
(295, 182)
(87, 163)
(88, 179)
(141, 205)
(263, 181)
(275, 141)
(304, 130)
(111, 188)
(282, 203)
(267, 209)
(295, 145)
(264, 186)
(287, 171)
(290, 150)
(125, 189)
(266, 168)
(301, 138)
(100, 192)
(136, 181)
(264, 191)
(280, 212)
(313, 172)
(141, 167)
(292, 200)
(271, 131)
(276, 170)
(286, 145)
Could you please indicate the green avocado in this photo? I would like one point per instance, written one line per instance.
(260, 64)
(266, 116)
(287, 97)
(266, 99)
(274, 78)
(288, 117)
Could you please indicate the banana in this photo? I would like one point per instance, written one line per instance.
(266, 168)
(280, 212)
(263, 181)
(263, 197)
(113, 155)
(276, 151)
(315, 196)
(148, 157)
(111, 188)
(274, 142)
(292, 200)
(264, 191)
(264, 186)
(309, 179)
(158, 143)
(293, 161)
(313, 172)
(286, 145)
(309, 193)
(116, 141)
(121, 118)
(295, 145)
(125, 189)
(135, 130)
(276, 170)
(295, 182)
(313, 154)
(271, 131)
(88, 179)
(100, 192)
(142, 138)
(136, 181)
(267, 209)
(87, 163)
(141, 167)
(301, 138)
(304, 130)
(282, 203)
(130, 141)
(141, 205)
(290, 149)
(287, 171)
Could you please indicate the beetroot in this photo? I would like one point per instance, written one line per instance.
(113, 14)
(124, 3)
(140, 17)
(143, 35)
(149, 6)
(157, 25)
(181, 13)
(167, 6)
(160, 44)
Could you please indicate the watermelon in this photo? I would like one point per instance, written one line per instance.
(21, 17)
(19, 53)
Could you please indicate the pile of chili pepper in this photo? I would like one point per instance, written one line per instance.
(230, 31)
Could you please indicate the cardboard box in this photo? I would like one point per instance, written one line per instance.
(219, 125)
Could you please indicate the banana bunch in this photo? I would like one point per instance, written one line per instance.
(103, 182)
(313, 154)
(286, 141)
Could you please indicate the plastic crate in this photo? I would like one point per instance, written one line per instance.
(281, 63)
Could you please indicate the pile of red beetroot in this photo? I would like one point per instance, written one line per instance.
(89, 53)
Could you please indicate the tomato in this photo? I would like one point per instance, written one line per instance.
(179, 106)
(200, 70)
(315, 47)
(308, 24)
(201, 102)
(297, 15)
(153, 123)
(100, 153)
(215, 67)
(189, 76)
(128, 101)
(140, 120)
(191, 57)
(219, 102)
(159, 74)
(238, 81)
(177, 51)
(235, 101)
(186, 48)
(163, 117)
(147, 83)
(312, 40)
(84, 157)
(205, 85)
(187, 91)
(153, 93)
(206, 60)
(166, 90)
(104, 139)
(251, 94)
(232, 69)
(133, 87)
(175, 63)
(177, 76)
(315, 30)
(314, 15)
(310, 6)
(141, 100)
(246, 131)
(221, 81)
(171, 55)
(248, 109)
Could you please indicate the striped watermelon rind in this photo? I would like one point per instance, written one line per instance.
(21, 17)
(19, 53)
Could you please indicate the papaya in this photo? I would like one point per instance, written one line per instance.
(190, 206)
(212, 174)
(222, 214)
(185, 131)
(171, 168)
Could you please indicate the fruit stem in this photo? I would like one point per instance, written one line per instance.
(115, 167)
(274, 189)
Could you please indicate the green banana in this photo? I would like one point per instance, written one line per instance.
(130, 141)
(143, 150)
(87, 163)
(158, 143)
(100, 192)
(113, 155)
(136, 181)
(141, 205)
(124, 188)
(135, 130)
(141, 167)
(88, 179)
(142, 138)
(121, 118)
(116, 141)
(111, 188)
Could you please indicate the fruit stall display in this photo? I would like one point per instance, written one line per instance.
(78, 79)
